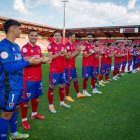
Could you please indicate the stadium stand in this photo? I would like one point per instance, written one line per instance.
(104, 34)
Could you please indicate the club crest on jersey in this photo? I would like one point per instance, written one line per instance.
(54, 80)
(4, 55)
(32, 51)
(49, 47)
(11, 104)
(24, 50)
(68, 47)
(28, 94)
(55, 48)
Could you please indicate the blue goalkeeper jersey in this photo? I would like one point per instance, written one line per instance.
(1, 78)
(11, 75)
(10, 53)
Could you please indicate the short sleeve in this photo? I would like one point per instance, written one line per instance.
(50, 48)
(85, 49)
(68, 48)
(40, 52)
(41, 55)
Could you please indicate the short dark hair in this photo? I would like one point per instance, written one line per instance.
(95, 40)
(117, 43)
(135, 46)
(70, 34)
(10, 22)
(89, 34)
(126, 45)
(109, 44)
(31, 31)
(57, 32)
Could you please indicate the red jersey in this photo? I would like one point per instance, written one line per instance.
(57, 65)
(139, 54)
(108, 52)
(96, 60)
(124, 51)
(130, 57)
(118, 52)
(87, 61)
(104, 56)
(70, 63)
(32, 73)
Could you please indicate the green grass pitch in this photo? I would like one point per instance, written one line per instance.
(113, 115)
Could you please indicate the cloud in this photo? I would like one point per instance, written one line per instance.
(37, 3)
(131, 4)
(82, 13)
(86, 13)
(19, 6)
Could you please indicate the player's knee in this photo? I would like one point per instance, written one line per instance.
(68, 84)
(51, 86)
(86, 78)
(62, 85)
(75, 80)
(17, 107)
(7, 115)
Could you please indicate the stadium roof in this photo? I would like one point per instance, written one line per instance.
(110, 31)
(43, 30)
(106, 32)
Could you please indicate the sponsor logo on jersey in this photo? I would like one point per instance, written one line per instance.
(13, 49)
(18, 57)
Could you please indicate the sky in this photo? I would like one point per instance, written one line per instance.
(79, 13)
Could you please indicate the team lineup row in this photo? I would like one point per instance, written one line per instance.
(21, 72)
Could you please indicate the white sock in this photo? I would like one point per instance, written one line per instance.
(50, 105)
(61, 102)
(34, 113)
(25, 119)
(79, 94)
